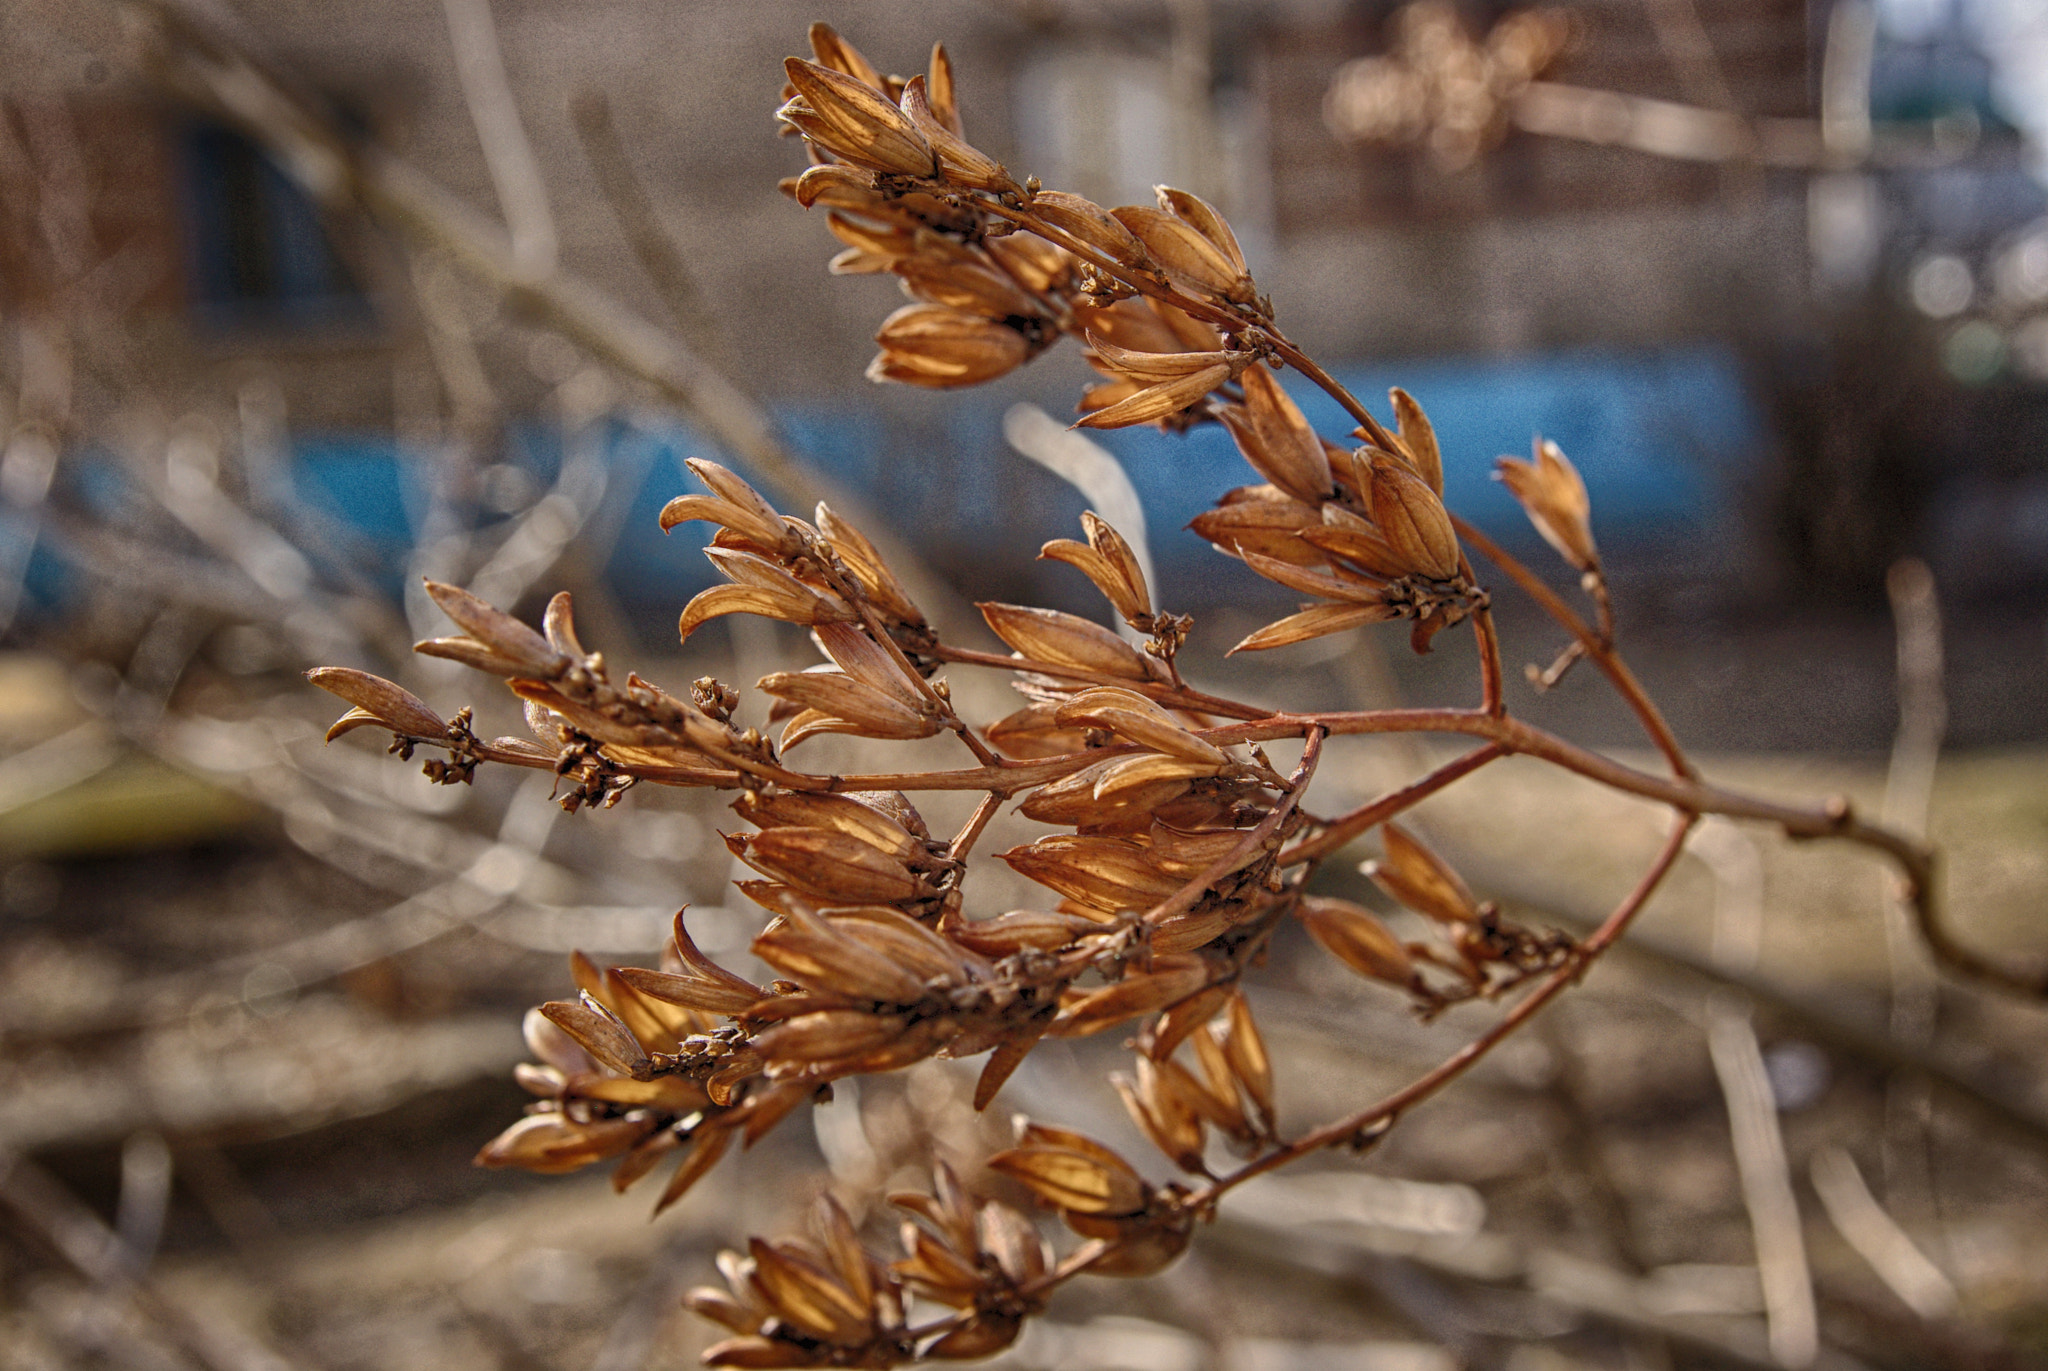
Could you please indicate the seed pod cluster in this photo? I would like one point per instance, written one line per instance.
(1474, 951)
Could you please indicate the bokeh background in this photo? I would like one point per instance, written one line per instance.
(301, 303)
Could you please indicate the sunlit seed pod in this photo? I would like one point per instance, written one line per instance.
(1037, 265)
(1142, 1245)
(838, 186)
(1346, 536)
(1115, 873)
(722, 1308)
(1064, 640)
(1272, 529)
(1150, 368)
(835, 52)
(671, 1094)
(1173, 978)
(1013, 1241)
(1413, 519)
(1131, 781)
(1110, 563)
(936, 347)
(651, 1021)
(1317, 621)
(396, 706)
(552, 1144)
(1201, 216)
(1277, 439)
(867, 566)
(1131, 716)
(809, 950)
(1418, 435)
(926, 954)
(836, 867)
(1157, 402)
(692, 991)
(843, 813)
(1090, 225)
(1162, 1116)
(828, 1035)
(856, 122)
(599, 1032)
(1188, 258)
(966, 285)
(806, 1296)
(848, 1260)
(1033, 732)
(1072, 800)
(553, 1046)
(646, 1155)
(1420, 879)
(471, 653)
(937, 1270)
(1552, 494)
(1073, 1173)
(497, 630)
(1356, 938)
(763, 534)
(1245, 1049)
(960, 162)
(1332, 583)
(869, 712)
(1020, 929)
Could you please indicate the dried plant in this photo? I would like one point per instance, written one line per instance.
(1179, 846)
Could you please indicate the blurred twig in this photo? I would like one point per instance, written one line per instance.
(77, 1237)
(641, 224)
(200, 60)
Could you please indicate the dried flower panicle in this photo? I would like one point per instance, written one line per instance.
(1176, 848)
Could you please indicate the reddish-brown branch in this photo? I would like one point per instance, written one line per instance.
(1387, 1110)
(1599, 650)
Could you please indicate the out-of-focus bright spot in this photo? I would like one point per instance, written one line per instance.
(1913, 21)
(1974, 353)
(2021, 271)
(2030, 348)
(1941, 287)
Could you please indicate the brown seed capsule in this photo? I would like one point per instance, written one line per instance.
(1413, 519)
(1073, 1173)
(1554, 497)
(1187, 257)
(867, 566)
(939, 348)
(835, 52)
(1332, 583)
(1150, 368)
(1319, 622)
(854, 121)
(1246, 1051)
(553, 1144)
(1356, 938)
(1090, 225)
(1347, 536)
(599, 1032)
(1057, 639)
(391, 704)
(1155, 402)
(853, 706)
(1418, 436)
(806, 1296)
(1277, 439)
(960, 162)
(497, 631)
(1272, 528)
(1420, 879)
